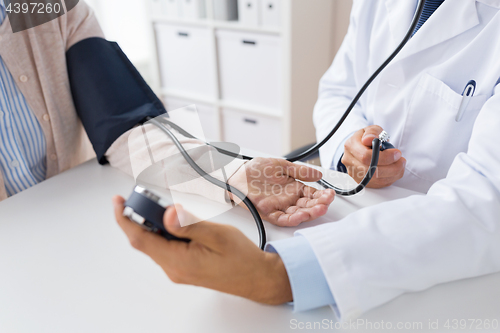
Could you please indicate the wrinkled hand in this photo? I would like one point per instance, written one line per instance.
(218, 257)
(274, 189)
(358, 155)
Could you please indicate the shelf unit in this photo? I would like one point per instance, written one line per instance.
(307, 40)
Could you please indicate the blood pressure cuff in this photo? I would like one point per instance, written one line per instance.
(109, 94)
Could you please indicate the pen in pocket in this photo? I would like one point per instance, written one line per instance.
(469, 90)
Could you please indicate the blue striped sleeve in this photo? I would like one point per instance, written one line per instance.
(22, 142)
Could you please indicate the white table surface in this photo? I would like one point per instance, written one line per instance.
(65, 266)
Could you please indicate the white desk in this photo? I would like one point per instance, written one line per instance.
(65, 266)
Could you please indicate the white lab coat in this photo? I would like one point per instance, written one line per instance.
(452, 232)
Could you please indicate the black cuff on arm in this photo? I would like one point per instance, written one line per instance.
(109, 94)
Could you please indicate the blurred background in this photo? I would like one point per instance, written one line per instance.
(251, 67)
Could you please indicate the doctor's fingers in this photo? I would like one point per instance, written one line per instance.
(357, 169)
(370, 133)
(296, 215)
(324, 197)
(214, 236)
(366, 135)
(393, 170)
(312, 193)
(364, 154)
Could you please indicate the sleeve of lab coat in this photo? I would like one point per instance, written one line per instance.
(452, 233)
(309, 287)
(337, 89)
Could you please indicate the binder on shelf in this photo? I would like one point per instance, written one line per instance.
(270, 13)
(193, 9)
(157, 7)
(248, 12)
(172, 8)
(225, 10)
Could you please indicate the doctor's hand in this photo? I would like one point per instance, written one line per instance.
(358, 154)
(274, 188)
(218, 257)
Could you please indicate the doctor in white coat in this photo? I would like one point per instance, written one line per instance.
(450, 232)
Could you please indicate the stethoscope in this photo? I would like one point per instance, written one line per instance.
(378, 144)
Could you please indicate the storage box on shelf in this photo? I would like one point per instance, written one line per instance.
(193, 9)
(270, 13)
(251, 68)
(248, 12)
(254, 81)
(171, 8)
(225, 10)
(157, 7)
(187, 59)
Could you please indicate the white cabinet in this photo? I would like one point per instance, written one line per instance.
(248, 12)
(193, 9)
(252, 131)
(254, 82)
(270, 13)
(250, 68)
(199, 119)
(186, 59)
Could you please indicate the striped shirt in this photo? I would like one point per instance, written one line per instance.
(22, 143)
(430, 6)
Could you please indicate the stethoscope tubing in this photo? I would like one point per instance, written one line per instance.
(375, 144)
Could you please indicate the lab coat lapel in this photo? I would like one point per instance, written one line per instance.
(451, 19)
(400, 14)
(491, 3)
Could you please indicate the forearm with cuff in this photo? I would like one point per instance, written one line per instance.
(127, 149)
